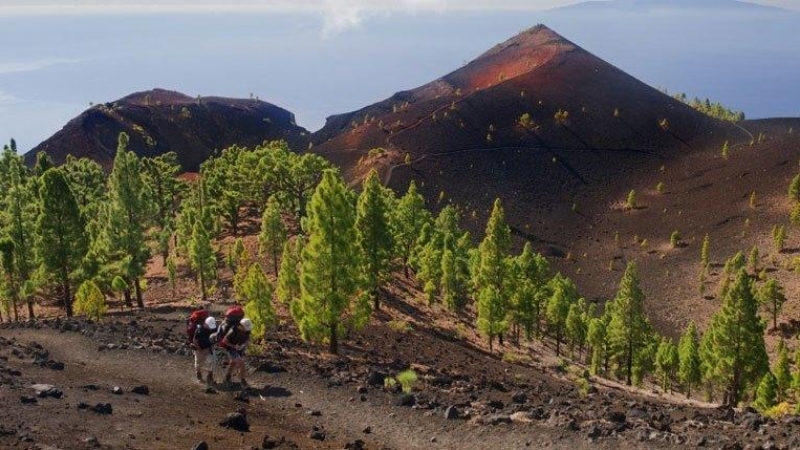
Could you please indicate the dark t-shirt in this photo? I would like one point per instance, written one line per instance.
(202, 337)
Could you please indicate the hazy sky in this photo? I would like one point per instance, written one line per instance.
(338, 15)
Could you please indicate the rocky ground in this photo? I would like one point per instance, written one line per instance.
(127, 383)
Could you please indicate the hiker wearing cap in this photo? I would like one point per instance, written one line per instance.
(235, 342)
(204, 359)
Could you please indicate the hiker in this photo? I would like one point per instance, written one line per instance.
(204, 359)
(235, 342)
(233, 316)
(196, 318)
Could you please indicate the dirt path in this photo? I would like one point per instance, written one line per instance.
(178, 413)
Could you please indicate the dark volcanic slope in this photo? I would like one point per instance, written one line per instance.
(159, 121)
(613, 119)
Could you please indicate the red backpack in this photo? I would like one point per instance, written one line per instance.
(195, 320)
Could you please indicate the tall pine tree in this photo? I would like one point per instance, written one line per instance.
(689, 371)
(736, 354)
(629, 330)
(331, 267)
(493, 277)
(408, 219)
(61, 230)
(273, 232)
(129, 215)
(374, 235)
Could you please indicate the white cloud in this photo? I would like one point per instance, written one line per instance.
(341, 15)
(7, 99)
(32, 66)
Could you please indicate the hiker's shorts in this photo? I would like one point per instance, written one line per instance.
(204, 360)
(235, 355)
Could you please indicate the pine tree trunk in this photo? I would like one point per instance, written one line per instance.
(376, 301)
(275, 263)
(630, 363)
(333, 346)
(558, 342)
(500, 339)
(405, 267)
(139, 299)
(128, 301)
(15, 301)
(491, 342)
(67, 298)
(31, 315)
(202, 286)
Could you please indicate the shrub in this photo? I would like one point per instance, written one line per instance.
(400, 326)
(407, 378)
(525, 121)
(90, 300)
(675, 238)
(561, 117)
(630, 201)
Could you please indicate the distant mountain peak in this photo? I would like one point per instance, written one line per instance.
(668, 5)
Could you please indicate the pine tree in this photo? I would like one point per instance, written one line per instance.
(374, 235)
(172, 274)
(289, 273)
(255, 291)
(667, 362)
(160, 174)
(705, 258)
(753, 259)
(450, 283)
(794, 216)
(629, 330)
(61, 232)
(493, 277)
(576, 327)
(794, 189)
(530, 293)
(119, 286)
(203, 259)
(21, 213)
(128, 218)
(731, 269)
(796, 375)
(273, 232)
(690, 370)
(237, 255)
(782, 372)
(772, 297)
(735, 354)
(598, 343)
(779, 237)
(90, 301)
(224, 180)
(558, 306)
(11, 287)
(766, 393)
(331, 268)
(408, 219)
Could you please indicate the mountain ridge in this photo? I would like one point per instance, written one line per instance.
(160, 120)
